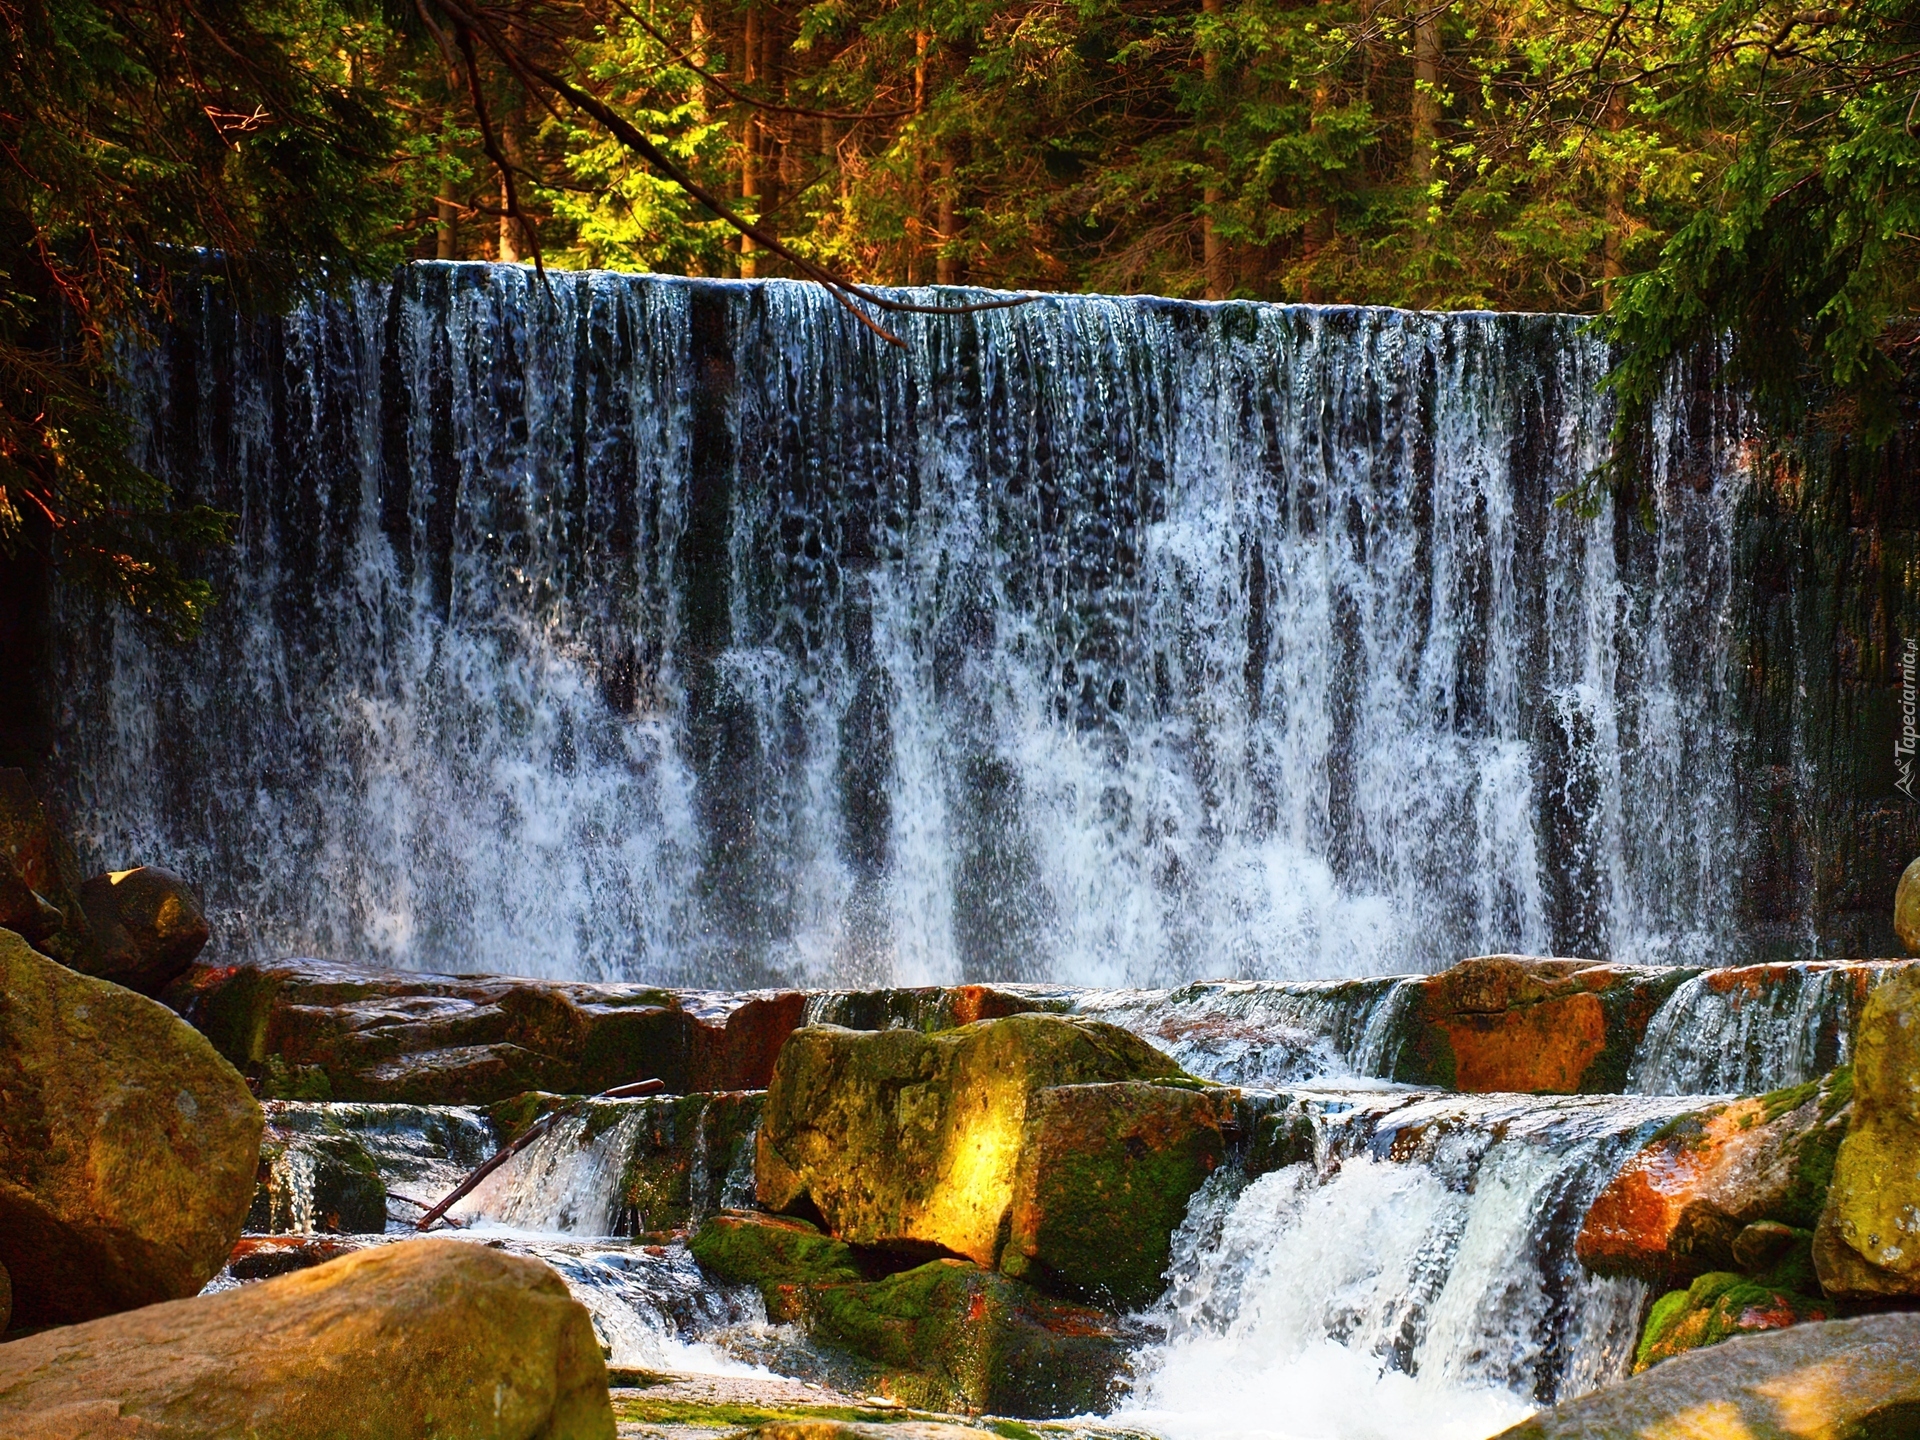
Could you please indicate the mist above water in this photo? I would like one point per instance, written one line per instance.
(685, 631)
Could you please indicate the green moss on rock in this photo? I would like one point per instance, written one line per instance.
(912, 1141)
(1868, 1242)
(1104, 1178)
(1716, 1307)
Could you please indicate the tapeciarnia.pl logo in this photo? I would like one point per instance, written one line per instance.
(1903, 748)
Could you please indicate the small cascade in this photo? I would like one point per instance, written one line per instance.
(1260, 1033)
(567, 1181)
(1754, 1029)
(1418, 1278)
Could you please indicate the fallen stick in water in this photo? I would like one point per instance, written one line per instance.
(532, 1133)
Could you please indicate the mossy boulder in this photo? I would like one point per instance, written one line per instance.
(1528, 1024)
(1906, 908)
(947, 1335)
(1716, 1307)
(127, 1146)
(1680, 1207)
(417, 1339)
(315, 1176)
(1868, 1240)
(1839, 1380)
(959, 1337)
(1103, 1181)
(783, 1257)
(40, 877)
(912, 1141)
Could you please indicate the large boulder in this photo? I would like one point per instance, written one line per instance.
(317, 1030)
(1906, 908)
(1530, 1025)
(946, 1335)
(1868, 1240)
(912, 1141)
(425, 1338)
(1680, 1207)
(147, 927)
(1846, 1378)
(1103, 1181)
(127, 1146)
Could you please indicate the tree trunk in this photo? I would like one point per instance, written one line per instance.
(1213, 251)
(445, 214)
(513, 238)
(750, 142)
(1613, 263)
(946, 269)
(917, 186)
(1426, 93)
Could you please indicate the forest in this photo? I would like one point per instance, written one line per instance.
(1679, 168)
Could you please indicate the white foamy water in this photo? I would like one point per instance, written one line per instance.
(674, 630)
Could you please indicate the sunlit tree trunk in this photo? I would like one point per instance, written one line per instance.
(513, 240)
(750, 141)
(916, 184)
(1426, 92)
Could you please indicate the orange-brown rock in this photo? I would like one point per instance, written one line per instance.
(1678, 1207)
(425, 1338)
(127, 1146)
(39, 876)
(1530, 1025)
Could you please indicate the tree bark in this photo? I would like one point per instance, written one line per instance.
(750, 142)
(1213, 251)
(1426, 92)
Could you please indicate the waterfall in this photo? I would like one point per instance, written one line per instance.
(612, 626)
(1419, 1278)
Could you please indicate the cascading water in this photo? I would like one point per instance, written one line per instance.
(1417, 1279)
(629, 627)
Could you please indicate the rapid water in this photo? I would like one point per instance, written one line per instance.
(636, 627)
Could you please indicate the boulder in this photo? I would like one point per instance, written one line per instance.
(315, 1175)
(1681, 1206)
(1906, 908)
(127, 1146)
(147, 927)
(1529, 1025)
(1868, 1240)
(39, 876)
(857, 1430)
(314, 1029)
(261, 1257)
(911, 1141)
(947, 1335)
(1717, 1307)
(1104, 1178)
(418, 1339)
(1843, 1378)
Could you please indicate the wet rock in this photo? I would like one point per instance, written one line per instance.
(6, 1300)
(39, 876)
(781, 1256)
(147, 927)
(687, 1150)
(911, 1141)
(315, 1175)
(1104, 1177)
(1685, 1203)
(315, 1029)
(1906, 908)
(418, 1339)
(929, 1008)
(1868, 1240)
(261, 1257)
(858, 1430)
(1529, 1025)
(947, 1335)
(1717, 1307)
(127, 1146)
(958, 1337)
(1841, 1378)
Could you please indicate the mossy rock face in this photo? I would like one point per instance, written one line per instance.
(911, 1141)
(1677, 1209)
(1530, 1025)
(1105, 1175)
(782, 1256)
(975, 1341)
(1868, 1241)
(1716, 1307)
(679, 1163)
(947, 1335)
